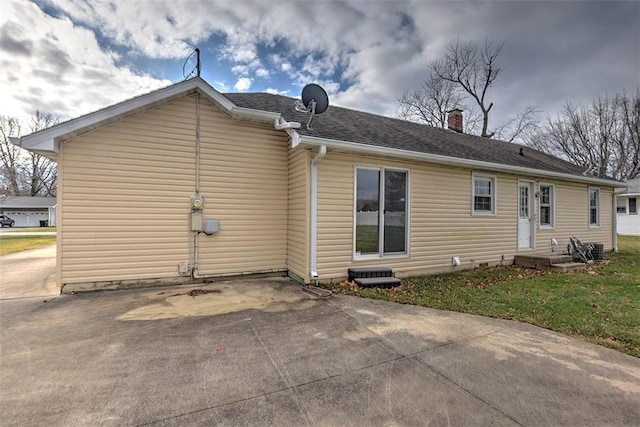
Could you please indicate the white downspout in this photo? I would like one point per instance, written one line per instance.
(313, 250)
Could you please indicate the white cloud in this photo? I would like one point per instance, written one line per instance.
(365, 53)
(240, 69)
(276, 91)
(53, 66)
(243, 84)
(262, 72)
(220, 86)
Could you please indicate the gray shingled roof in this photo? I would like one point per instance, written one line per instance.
(364, 128)
(27, 202)
(633, 186)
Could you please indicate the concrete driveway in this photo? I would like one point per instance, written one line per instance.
(29, 274)
(266, 353)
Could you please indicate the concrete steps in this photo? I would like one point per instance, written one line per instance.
(373, 277)
(565, 267)
(554, 262)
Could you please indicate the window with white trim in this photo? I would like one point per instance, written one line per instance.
(484, 195)
(621, 205)
(594, 207)
(547, 201)
(633, 206)
(381, 211)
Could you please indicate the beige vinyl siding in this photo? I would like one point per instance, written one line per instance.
(126, 189)
(124, 197)
(298, 214)
(244, 184)
(441, 223)
(572, 217)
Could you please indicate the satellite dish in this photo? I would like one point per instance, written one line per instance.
(314, 101)
(314, 92)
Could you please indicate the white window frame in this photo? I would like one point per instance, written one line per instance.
(552, 206)
(624, 203)
(494, 195)
(381, 254)
(598, 205)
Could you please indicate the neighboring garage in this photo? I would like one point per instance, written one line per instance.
(29, 211)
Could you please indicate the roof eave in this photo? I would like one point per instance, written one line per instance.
(298, 140)
(46, 142)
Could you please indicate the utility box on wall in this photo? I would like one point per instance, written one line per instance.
(196, 221)
(211, 226)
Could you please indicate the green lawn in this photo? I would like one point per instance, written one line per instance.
(11, 244)
(600, 305)
(33, 230)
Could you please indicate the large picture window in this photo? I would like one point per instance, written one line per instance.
(484, 195)
(381, 211)
(594, 207)
(546, 205)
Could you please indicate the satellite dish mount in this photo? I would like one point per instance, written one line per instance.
(314, 101)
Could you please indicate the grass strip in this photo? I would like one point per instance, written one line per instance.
(600, 305)
(13, 244)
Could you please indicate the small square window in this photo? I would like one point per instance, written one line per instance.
(484, 195)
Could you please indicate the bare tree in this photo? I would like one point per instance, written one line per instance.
(603, 136)
(43, 171)
(11, 156)
(473, 70)
(24, 173)
(466, 73)
(631, 118)
(432, 101)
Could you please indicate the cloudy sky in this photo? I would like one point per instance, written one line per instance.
(71, 57)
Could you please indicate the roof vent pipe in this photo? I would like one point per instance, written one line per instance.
(454, 120)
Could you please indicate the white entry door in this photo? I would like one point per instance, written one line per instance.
(525, 215)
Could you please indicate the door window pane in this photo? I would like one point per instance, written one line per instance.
(367, 211)
(524, 202)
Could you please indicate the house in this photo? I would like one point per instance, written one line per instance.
(29, 211)
(139, 182)
(627, 209)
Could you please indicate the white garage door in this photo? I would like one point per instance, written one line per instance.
(27, 219)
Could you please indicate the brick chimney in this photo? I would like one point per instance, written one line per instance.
(454, 120)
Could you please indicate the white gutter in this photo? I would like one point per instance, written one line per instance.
(353, 147)
(313, 250)
(281, 124)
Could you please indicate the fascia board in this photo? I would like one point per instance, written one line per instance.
(312, 141)
(46, 140)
